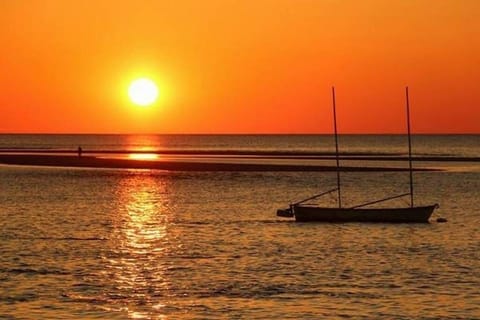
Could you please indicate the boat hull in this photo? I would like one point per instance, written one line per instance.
(385, 215)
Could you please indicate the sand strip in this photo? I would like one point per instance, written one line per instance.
(94, 162)
(254, 154)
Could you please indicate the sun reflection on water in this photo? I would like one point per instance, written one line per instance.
(143, 156)
(138, 262)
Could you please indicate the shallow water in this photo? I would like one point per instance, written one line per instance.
(95, 243)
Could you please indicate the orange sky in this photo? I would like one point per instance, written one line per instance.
(249, 66)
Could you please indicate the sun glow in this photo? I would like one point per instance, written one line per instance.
(143, 92)
(143, 156)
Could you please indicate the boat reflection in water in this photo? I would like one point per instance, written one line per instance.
(137, 263)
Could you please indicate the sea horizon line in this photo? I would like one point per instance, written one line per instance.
(245, 134)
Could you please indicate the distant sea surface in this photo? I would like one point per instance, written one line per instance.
(148, 244)
(434, 145)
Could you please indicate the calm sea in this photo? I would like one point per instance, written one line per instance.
(435, 145)
(146, 244)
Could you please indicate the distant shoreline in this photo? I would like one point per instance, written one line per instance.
(94, 162)
(246, 154)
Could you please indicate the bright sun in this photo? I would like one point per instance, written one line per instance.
(143, 92)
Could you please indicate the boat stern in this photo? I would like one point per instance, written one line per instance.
(285, 213)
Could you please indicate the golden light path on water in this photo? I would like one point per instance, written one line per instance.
(137, 266)
(143, 151)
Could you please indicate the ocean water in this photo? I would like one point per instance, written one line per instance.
(433, 145)
(148, 244)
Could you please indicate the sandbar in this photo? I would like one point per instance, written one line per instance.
(177, 165)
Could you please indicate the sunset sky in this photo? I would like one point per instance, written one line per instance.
(245, 66)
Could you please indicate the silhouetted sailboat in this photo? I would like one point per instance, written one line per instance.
(304, 212)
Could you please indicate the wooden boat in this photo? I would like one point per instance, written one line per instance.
(304, 212)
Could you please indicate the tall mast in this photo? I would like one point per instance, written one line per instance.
(409, 147)
(336, 148)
